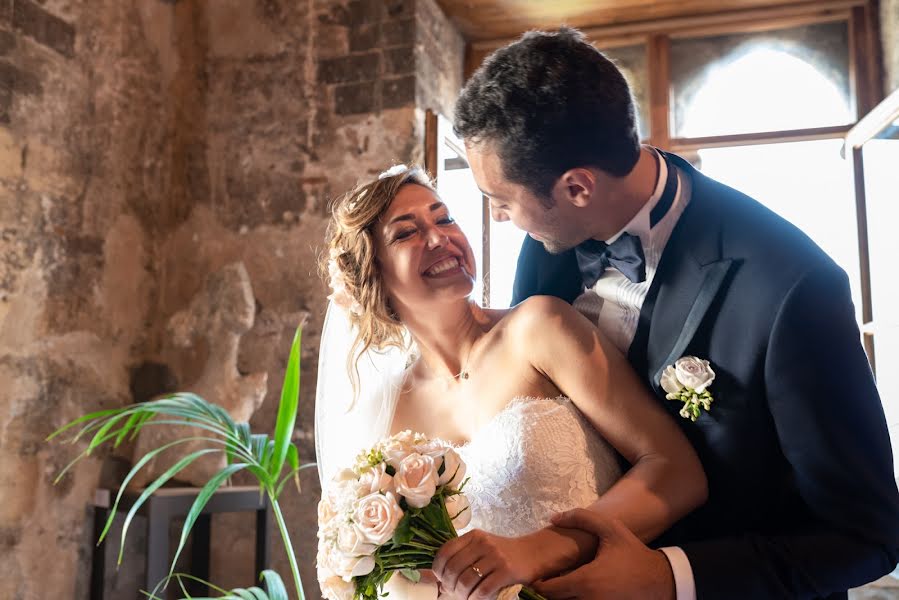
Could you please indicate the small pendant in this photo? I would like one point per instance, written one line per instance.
(464, 375)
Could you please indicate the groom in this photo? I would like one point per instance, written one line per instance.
(672, 264)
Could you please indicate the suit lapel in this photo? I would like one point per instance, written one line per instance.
(690, 276)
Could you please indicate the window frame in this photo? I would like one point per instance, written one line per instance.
(865, 88)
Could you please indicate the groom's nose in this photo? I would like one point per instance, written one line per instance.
(498, 215)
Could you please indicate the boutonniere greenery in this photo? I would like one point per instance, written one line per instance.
(688, 381)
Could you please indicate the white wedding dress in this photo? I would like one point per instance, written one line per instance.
(537, 457)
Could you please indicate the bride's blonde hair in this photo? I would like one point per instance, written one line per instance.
(351, 262)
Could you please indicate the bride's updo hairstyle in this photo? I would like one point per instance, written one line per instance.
(351, 262)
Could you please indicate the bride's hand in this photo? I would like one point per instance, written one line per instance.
(478, 564)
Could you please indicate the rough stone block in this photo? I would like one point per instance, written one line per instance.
(355, 99)
(364, 11)
(364, 37)
(398, 92)
(5, 11)
(7, 42)
(399, 61)
(400, 9)
(398, 33)
(346, 69)
(18, 81)
(44, 27)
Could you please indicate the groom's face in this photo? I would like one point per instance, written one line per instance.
(550, 221)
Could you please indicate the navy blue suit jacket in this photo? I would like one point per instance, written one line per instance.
(802, 497)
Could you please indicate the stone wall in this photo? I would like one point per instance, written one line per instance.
(889, 30)
(143, 145)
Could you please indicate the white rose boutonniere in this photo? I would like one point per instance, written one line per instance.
(688, 381)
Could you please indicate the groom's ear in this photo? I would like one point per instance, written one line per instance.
(576, 186)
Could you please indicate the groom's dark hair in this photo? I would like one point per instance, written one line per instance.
(547, 103)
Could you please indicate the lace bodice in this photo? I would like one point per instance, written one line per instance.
(538, 456)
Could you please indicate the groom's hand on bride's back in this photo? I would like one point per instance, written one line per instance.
(624, 567)
(477, 565)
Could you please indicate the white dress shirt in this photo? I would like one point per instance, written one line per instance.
(614, 304)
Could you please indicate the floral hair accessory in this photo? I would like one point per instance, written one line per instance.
(340, 295)
(394, 170)
(687, 381)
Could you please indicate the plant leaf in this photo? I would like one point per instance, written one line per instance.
(160, 481)
(287, 410)
(200, 502)
(274, 585)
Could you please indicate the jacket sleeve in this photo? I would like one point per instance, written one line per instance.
(540, 273)
(831, 427)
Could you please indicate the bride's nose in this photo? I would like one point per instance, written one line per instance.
(436, 238)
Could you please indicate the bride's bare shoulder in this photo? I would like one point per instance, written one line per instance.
(543, 314)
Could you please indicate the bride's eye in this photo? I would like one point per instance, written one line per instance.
(447, 220)
(403, 235)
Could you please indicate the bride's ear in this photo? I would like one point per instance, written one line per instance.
(576, 186)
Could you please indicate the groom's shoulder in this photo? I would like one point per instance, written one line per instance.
(750, 231)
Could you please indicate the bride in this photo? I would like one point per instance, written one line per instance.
(540, 404)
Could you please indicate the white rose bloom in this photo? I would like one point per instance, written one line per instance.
(335, 588)
(509, 593)
(352, 566)
(416, 480)
(459, 510)
(351, 540)
(669, 381)
(396, 449)
(694, 373)
(377, 516)
(453, 470)
(326, 512)
(376, 479)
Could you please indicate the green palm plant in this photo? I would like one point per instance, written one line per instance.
(264, 457)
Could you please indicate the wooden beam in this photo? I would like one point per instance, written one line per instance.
(864, 259)
(870, 125)
(762, 137)
(716, 23)
(659, 66)
(432, 134)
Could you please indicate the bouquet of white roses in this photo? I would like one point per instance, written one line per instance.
(392, 511)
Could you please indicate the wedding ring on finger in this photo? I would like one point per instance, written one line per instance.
(477, 571)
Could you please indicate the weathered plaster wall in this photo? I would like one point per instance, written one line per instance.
(889, 29)
(143, 145)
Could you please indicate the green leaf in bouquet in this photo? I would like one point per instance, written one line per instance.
(413, 575)
(403, 533)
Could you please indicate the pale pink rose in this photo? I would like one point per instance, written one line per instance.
(416, 480)
(453, 470)
(336, 588)
(397, 448)
(326, 512)
(459, 510)
(352, 541)
(433, 448)
(694, 373)
(376, 479)
(509, 593)
(349, 566)
(377, 516)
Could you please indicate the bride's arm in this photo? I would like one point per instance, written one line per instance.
(666, 480)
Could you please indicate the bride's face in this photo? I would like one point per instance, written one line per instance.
(422, 253)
